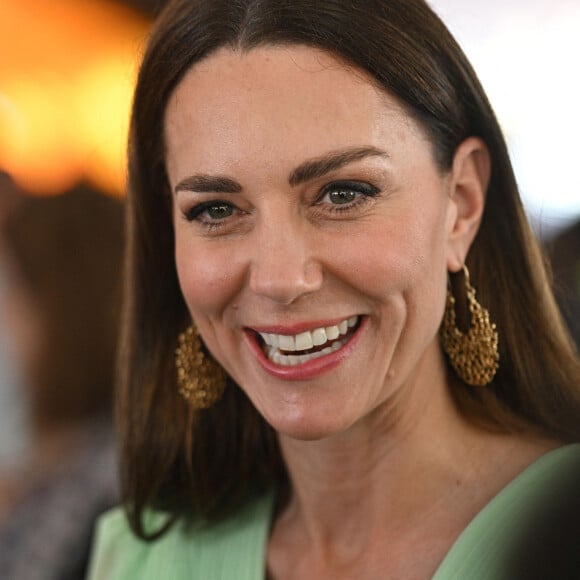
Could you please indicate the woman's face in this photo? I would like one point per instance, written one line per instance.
(312, 235)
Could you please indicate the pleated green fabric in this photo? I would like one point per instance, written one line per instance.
(236, 548)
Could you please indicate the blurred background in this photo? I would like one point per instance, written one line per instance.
(526, 55)
(67, 69)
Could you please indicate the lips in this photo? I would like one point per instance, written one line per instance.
(301, 348)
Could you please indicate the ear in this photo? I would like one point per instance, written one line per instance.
(467, 183)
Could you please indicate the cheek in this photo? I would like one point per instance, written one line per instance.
(208, 277)
(394, 256)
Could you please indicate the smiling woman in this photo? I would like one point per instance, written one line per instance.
(272, 243)
(309, 184)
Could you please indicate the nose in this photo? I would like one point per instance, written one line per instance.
(284, 266)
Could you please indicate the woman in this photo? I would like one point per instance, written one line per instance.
(305, 179)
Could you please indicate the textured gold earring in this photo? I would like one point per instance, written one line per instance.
(474, 355)
(200, 379)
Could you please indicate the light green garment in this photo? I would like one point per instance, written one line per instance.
(236, 548)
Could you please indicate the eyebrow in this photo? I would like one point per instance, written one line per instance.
(330, 162)
(208, 184)
(312, 169)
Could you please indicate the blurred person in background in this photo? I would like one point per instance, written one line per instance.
(60, 260)
(14, 427)
(564, 252)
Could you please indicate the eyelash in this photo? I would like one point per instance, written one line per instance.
(364, 191)
(196, 211)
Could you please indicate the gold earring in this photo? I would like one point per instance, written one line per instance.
(474, 355)
(201, 380)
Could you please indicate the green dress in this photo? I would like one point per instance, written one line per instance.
(235, 549)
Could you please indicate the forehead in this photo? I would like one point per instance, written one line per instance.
(257, 66)
(277, 97)
(283, 73)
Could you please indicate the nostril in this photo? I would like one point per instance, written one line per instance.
(284, 280)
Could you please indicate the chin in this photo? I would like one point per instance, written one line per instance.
(307, 426)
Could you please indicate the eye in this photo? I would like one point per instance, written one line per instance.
(210, 211)
(341, 196)
(219, 211)
(346, 194)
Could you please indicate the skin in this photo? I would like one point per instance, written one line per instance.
(381, 463)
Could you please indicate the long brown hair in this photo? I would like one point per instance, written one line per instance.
(404, 46)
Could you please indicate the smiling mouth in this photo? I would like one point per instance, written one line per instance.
(297, 349)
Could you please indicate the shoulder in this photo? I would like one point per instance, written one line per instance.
(186, 550)
(548, 546)
(529, 531)
(117, 553)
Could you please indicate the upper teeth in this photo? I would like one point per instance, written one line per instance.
(309, 338)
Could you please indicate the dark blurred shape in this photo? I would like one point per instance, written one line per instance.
(564, 252)
(150, 7)
(68, 250)
(63, 260)
(8, 196)
(549, 544)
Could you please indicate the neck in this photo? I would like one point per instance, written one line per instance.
(370, 470)
(407, 464)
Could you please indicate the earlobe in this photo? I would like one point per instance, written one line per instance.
(468, 181)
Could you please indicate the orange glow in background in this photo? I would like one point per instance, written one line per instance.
(67, 70)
